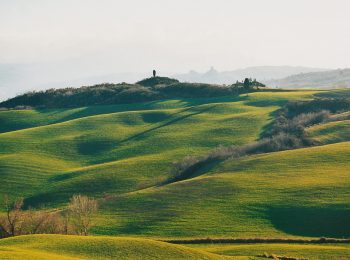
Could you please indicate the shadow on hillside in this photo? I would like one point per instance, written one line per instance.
(279, 102)
(336, 93)
(95, 147)
(173, 121)
(65, 186)
(151, 105)
(91, 147)
(266, 128)
(105, 109)
(202, 169)
(141, 225)
(330, 221)
(152, 117)
(45, 200)
(139, 216)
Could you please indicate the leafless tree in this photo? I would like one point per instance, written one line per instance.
(81, 210)
(42, 222)
(77, 219)
(11, 223)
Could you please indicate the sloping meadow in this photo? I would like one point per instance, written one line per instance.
(123, 155)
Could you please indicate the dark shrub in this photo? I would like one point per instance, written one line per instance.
(152, 82)
(188, 90)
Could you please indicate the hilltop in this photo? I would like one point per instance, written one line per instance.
(155, 88)
(155, 81)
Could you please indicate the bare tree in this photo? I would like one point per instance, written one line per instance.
(81, 210)
(11, 223)
(33, 221)
(76, 219)
(66, 221)
(42, 222)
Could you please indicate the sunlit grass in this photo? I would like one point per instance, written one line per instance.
(121, 151)
(332, 132)
(302, 193)
(74, 247)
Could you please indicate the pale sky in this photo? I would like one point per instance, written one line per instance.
(97, 37)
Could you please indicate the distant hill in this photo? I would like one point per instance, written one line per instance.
(324, 79)
(150, 89)
(17, 79)
(263, 73)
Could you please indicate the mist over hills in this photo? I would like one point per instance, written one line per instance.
(325, 79)
(17, 79)
(262, 73)
(276, 76)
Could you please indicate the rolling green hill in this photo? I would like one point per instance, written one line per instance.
(45, 247)
(20, 119)
(122, 155)
(302, 192)
(332, 132)
(117, 152)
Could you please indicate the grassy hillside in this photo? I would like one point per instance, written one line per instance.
(331, 132)
(113, 149)
(113, 153)
(20, 119)
(73, 247)
(123, 153)
(301, 192)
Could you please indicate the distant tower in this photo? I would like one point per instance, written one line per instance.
(154, 73)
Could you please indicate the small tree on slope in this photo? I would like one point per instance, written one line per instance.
(81, 210)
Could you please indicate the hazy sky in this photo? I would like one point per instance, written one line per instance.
(59, 43)
(177, 35)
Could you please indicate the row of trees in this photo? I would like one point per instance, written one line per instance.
(76, 219)
(249, 84)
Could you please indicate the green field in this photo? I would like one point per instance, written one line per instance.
(302, 192)
(73, 247)
(122, 154)
(124, 151)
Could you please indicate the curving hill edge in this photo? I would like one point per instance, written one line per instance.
(77, 247)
